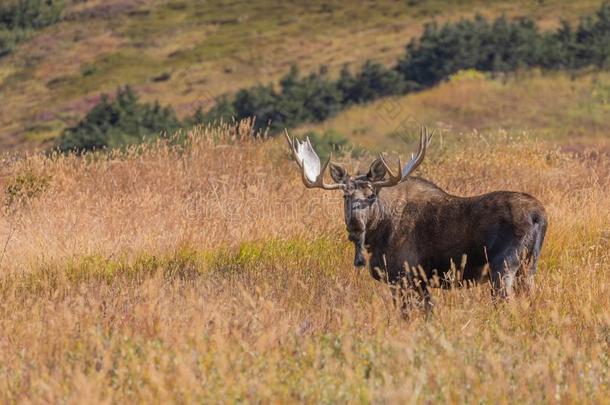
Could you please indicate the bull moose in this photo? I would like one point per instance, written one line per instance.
(496, 236)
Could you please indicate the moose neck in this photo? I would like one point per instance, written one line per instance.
(374, 234)
(379, 226)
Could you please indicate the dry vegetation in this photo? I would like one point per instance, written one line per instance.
(209, 273)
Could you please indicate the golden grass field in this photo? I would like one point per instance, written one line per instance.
(208, 273)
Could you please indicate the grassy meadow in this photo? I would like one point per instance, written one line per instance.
(199, 268)
(207, 272)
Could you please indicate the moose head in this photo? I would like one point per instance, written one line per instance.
(362, 208)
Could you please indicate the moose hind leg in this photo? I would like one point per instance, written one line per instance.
(400, 297)
(503, 271)
(408, 295)
(530, 251)
(421, 285)
(524, 280)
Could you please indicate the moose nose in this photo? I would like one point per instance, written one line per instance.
(359, 204)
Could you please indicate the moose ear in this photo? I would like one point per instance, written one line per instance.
(338, 173)
(376, 171)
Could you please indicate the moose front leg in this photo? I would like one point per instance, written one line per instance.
(419, 282)
(400, 298)
(406, 298)
(358, 239)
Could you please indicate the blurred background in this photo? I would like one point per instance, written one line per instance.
(90, 74)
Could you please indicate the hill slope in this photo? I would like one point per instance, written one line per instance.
(549, 105)
(185, 53)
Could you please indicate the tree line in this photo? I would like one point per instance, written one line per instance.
(502, 45)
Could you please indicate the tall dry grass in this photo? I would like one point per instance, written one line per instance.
(208, 273)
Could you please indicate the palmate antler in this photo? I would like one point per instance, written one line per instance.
(403, 172)
(313, 173)
(309, 162)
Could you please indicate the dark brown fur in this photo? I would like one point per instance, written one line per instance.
(426, 237)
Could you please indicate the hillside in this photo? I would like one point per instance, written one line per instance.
(571, 109)
(185, 53)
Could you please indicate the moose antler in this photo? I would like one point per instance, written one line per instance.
(403, 172)
(308, 161)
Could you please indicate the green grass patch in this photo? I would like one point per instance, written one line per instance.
(107, 73)
(323, 255)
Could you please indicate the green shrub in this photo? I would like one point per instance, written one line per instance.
(505, 46)
(469, 44)
(24, 187)
(122, 121)
(259, 102)
(500, 46)
(26, 14)
(373, 81)
(299, 99)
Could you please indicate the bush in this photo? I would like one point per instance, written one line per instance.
(117, 123)
(299, 99)
(8, 41)
(500, 46)
(310, 99)
(469, 44)
(259, 102)
(29, 14)
(24, 187)
(372, 82)
(591, 45)
(222, 111)
(505, 46)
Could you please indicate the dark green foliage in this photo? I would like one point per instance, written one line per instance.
(222, 111)
(310, 99)
(9, 39)
(345, 84)
(299, 99)
(25, 14)
(470, 44)
(259, 102)
(19, 17)
(592, 40)
(119, 122)
(501, 46)
(372, 82)
(505, 46)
